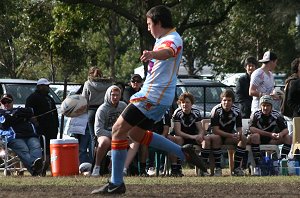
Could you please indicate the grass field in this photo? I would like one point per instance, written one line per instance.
(187, 186)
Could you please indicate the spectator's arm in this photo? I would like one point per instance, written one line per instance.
(260, 132)
(216, 130)
(178, 132)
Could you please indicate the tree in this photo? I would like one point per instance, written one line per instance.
(10, 30)
(190, 14)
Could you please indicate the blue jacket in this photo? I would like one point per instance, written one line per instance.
(16, 123)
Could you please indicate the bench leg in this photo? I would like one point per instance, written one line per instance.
(231, 160)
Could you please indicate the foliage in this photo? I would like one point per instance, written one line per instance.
(62, 39)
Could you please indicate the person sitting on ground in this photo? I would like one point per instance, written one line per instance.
(226, 124)
(188, 127)
(268, 126)
(21, 134)
(105, 117)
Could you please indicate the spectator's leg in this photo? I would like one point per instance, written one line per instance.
(19, 146)
(91, 122)
(238, 156)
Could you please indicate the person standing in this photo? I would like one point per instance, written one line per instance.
(262, 80)
(136, 83)
(287, 108)
(45, 113)
(242, 87)
(293, 98)
(94, 90)
(150, 104)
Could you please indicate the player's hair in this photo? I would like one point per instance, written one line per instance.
(250, 60)
(228, 93)
(185, 95)
(295, 64)
(161, 14)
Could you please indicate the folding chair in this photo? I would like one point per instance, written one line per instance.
(11, 163)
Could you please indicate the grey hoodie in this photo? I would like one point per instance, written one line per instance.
(94, 91)
(107, 114)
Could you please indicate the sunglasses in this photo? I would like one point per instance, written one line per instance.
(6, 102)
(136, 81)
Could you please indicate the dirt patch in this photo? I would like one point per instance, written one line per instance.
(181, 190)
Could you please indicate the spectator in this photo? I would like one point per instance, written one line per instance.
(242, 87)
(291, 103)
(106, 116)
(77, 127)
(226, 124)
(45, 113)
(162, 128)
(22, 137)
(188, 127)
(262, 80)
(267, 126)
(136, 83)
(122, 86)
(94, 90)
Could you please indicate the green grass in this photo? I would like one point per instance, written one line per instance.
(189, 178)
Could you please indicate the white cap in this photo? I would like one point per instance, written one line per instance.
(268, 56)
(43, 81)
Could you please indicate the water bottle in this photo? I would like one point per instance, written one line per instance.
(275, 167)
(265, 166)
(291, 167)
(276, 164)
(284, 166)
(297, 161)
(297, 171)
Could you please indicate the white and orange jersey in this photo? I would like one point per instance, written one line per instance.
(160, 84)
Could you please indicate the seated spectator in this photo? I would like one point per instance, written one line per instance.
(188, 127)
(21, 134)
(162, 128)
(105, 117)
(268, 126)
(226, 124)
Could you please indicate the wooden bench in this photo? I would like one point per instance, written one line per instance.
(231, 148)
(296, 133)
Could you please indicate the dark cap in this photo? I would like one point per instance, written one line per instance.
(6, 97)
(136, 77)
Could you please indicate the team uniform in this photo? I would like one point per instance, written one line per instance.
(264, 83)
(158, 90)
(273, 123)
(188, 122)
(227, 121)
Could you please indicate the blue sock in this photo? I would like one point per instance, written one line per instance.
(118, 157)
(162, 143)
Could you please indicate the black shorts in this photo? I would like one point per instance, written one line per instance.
(264, 139)
(190, 141)
(135, 117)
